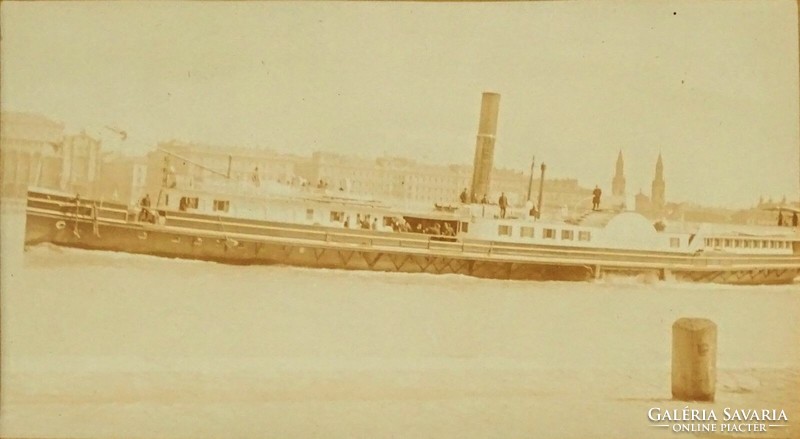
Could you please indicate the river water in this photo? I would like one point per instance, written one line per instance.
(100, 344)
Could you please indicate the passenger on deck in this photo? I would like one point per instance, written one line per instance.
(144, 215)
(780, 218)
(144, 203)
(794, 219)
(448, 230)
(503, 202)
(596, 193)
(400, 225)
(347, 222)
(374, 224)
(436, 229)
(464, 196)
(484, 200)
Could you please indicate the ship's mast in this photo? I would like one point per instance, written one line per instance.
(530, 180)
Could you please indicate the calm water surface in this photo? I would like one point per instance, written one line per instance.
(100, 344)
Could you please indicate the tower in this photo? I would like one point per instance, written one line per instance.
(658, 187)
(618, 183)
(484, 146)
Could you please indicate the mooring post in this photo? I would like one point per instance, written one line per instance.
(694, 359)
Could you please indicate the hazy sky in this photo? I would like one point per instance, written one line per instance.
(711, 85)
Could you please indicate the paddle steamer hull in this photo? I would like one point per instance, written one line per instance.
(111, 227)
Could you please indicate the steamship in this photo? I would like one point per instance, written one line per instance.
(310, 227)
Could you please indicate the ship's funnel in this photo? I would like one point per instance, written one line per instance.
(484, 146)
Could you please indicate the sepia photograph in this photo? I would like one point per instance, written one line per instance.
(385, 219)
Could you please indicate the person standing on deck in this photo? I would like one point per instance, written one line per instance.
(144, 203)
(596, 193)
(794, 219)
(464, 196)
(503, 202)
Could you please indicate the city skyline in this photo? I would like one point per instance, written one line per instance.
(578, 83)
(238, 154)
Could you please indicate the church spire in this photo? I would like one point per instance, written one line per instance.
(658, 189)
(660, 168)
(618, 183)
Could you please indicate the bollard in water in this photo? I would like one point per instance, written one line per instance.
(694, 359)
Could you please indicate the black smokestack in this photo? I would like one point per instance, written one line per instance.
(484, 146)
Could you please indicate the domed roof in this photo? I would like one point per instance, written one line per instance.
(631, 230)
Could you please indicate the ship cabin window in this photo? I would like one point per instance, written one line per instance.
(188, 203)
(567, 235)
(465, 227)
(674, 242)
(549, 233)
(310, 214)
(728, 243)
(584, 235)
(337, 217)
(717, 242)
(503, 230)
(526, 232)
(222, 205)
(737, 243)
(708, 242)
(746, 243)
